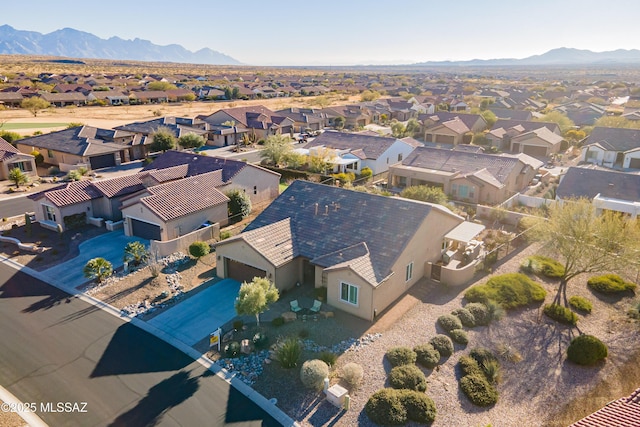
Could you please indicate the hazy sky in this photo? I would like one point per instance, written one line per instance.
(346, 32)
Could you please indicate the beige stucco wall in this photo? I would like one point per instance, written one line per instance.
(240, 251)
(57, 159)
(9, 164)
(266, 183)
(365, 293)
(286, 276)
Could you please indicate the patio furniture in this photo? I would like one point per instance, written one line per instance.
(295, 307)
(316, 306)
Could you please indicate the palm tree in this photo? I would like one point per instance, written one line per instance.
(136, 253)
(98, 269)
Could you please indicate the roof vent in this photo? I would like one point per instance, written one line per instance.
(326, 209)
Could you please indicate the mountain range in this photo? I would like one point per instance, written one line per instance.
(560, 56)
(71, 43)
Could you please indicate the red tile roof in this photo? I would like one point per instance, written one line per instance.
(7, 150)
(624, 412)
(120, 186)
(74, 192)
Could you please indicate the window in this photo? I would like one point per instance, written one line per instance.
(255, 189)
(50, 154)
(349, 293)
(592, 154)
(409, 272)
(472, 192)
(23, 166)
(50, 213)
(463, 191)
(454, 189)
(400, 157)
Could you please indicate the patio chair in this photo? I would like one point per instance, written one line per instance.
(316, 306)
(294, 306)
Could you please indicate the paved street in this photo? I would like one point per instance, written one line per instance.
(56, 348)
(14, 206)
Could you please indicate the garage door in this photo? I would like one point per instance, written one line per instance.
(145, 230)
(103, 161)
(242, 272)
(634, 163)
(534, 150)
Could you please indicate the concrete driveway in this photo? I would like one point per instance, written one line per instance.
(196, 317)
(110, 246)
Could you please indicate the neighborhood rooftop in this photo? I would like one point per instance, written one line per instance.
(372, 146)
(616, 139)
(581, 182)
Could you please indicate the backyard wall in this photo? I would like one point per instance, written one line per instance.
(181, 244)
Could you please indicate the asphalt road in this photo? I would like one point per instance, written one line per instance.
(15, 206)
(58, 349)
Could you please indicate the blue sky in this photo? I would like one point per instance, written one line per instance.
(346, 32)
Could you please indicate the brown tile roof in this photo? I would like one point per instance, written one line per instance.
(7, 150)
(72, 193)
(179, 198)
(624, 412)
(119, 186)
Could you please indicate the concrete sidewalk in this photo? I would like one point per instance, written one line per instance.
(69, 275)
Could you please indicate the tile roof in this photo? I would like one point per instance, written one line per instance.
(176, 199)
(197, 164)
(72, 193)
(274, 241)
(178, 125)
(328, 225)
(461, 162)
(372, 146)
(443, 116)
(72, 141)
(543, 133)
(7, 150)
(523, 125)
(581, 182)
(119, 186)
(614, 139)
(624, 412)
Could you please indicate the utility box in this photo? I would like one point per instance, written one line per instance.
(336, 395)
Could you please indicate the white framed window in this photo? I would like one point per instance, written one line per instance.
(349, 293)
(408, 272)
(50, 213)
(400, 157)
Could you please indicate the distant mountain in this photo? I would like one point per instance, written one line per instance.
(560, 56)
(79, 44)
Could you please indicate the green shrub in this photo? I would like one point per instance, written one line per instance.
(238, 324)
(510, 290)
(352, 373)
(610, 284)
(260, 340)
(479, 312)
(581, 304)
(232, 349)
(481, 355)
(543, 266)
(586, 350)
(199, 249)
(478, 390)
(313, 373)
(420, 407)
(427, 355)
(384, 407)
(401, 356)
(409, 377)
(328, 358)
(494, 310)
(491, 370)
(443, 344)
(449, 322)
(469, 366)
(459, 336)
(278, 321)
(634, 311)
(288, 352)
(561, 314)
(465, 317)
(74, 175)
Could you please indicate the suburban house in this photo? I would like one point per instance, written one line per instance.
(11, 99)
(608, 190)
(463, 175)
(305, 118)
(173, 209)
(504, 130)
(259, 120)
(613, 148)
(86, 146)
(179, 126)
(64, 99)
(355, 116)
(359, 150)
(11, 158)
(366, 250)
(540, 142)
(109, 97)
(510, 114)
(621, 412)
(582, 113)
(445, 127)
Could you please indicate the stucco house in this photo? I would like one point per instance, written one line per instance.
(11, 158)
(613, 148)
(464, 175)
(358, 150)
(539, 143)
(257, 119)
(451, 128)
(366, 250)
(504, 130)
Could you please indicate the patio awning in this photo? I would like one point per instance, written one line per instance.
(465, 232)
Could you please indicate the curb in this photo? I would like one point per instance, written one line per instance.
(28, 416)
(223, 374)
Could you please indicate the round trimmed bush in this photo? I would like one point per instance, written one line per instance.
(401, 356)
(408, 377)
(610, 284)
(420, 407)
(586, 350)
(385, 407)
(427, 355)
(459, 336)
(581, 304)
(232, 349)
(352, 373)
(443, 344)
(469, 366)
(481, 355)
(478, 390)
(479, 312)
(449, 322)
(313, 373)
(543, 266)
(260, 340)
(510, 290)
(465, 317)
(561, 314)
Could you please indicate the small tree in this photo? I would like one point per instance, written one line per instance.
(339, 122)
(39, 158)
(255, 296)
(163, 139)
(98, 269)
(199, 249)
(239, 205)
(276, 149)
(191, 140)
(425, 193)
(18, 177)
(135, 252)
(34, 105)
